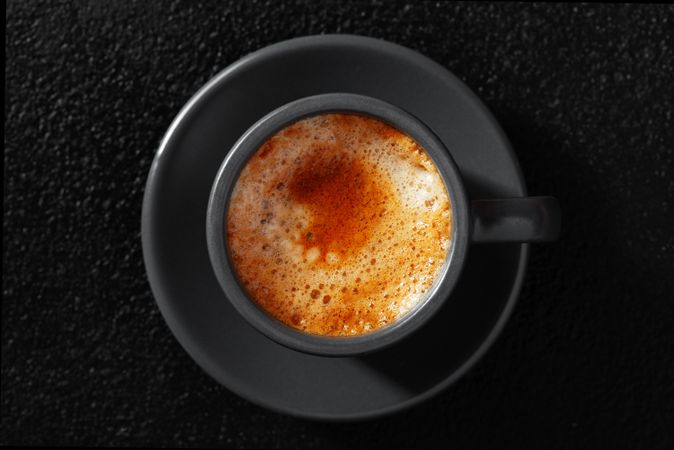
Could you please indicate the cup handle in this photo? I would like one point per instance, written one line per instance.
(525, 219)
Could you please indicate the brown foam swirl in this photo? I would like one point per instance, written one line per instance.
(338, 225)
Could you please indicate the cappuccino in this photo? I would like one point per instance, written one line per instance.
(338, 225)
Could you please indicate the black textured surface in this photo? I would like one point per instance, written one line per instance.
(585, 95)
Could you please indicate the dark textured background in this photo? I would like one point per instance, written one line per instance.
(585, 94)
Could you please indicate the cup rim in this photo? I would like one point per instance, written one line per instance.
(228, 175)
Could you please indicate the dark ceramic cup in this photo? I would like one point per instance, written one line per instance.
(528, 219)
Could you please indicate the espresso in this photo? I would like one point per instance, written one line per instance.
(338, 225)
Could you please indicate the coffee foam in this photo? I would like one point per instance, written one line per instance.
(339, 225)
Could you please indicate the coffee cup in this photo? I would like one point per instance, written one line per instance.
(527, 219)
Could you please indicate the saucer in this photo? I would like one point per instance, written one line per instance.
(174, 231)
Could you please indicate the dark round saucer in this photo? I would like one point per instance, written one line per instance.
(174, 236)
